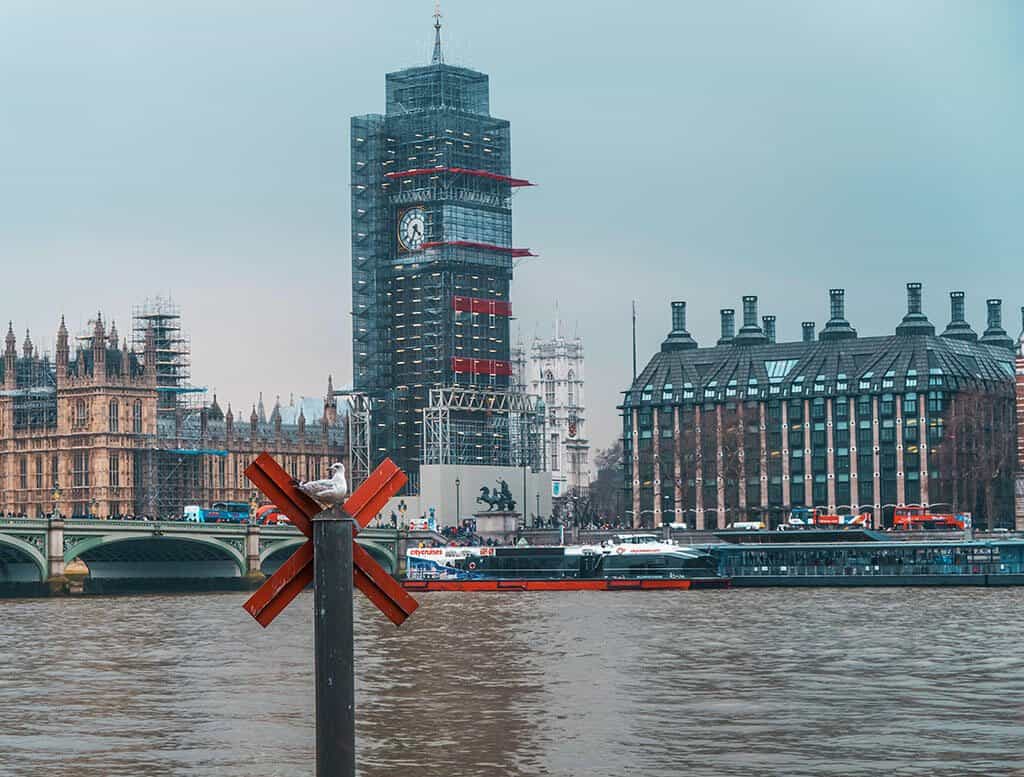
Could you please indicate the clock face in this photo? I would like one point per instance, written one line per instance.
(411, 225)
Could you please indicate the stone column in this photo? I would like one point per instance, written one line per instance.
(636, 469)
(698, 475)
(741, 491)
(901, 484)
(763, 431)
(55, 548)
(677, 466)
(786, 493)
(808, 473)
(851, 414)
(719, 458)
(830, 456)
(876, 461)
(1018, 483)
(252, 551)
(656, 445)
(922, 445)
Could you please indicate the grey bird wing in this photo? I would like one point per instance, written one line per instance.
(314, 487)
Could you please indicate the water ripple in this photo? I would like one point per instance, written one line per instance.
(814, 683)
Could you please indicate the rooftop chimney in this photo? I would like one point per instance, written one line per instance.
(995, 334)
(837, 327)
(915, 322)
(808, 328)
(728, 326)
(768, 325)
(958, 328)
(678, 339)
(750, 333)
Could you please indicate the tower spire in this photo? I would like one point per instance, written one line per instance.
(437, 59)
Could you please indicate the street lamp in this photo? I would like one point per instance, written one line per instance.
(458, 505)
(56, 499)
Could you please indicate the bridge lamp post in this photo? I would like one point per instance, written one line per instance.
(56, 500)
(458, 506)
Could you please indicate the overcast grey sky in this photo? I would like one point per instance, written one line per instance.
(684, 150)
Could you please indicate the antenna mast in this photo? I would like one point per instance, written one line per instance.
(437, 58)
(634, 341)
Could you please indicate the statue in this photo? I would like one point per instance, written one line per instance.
(499, 499)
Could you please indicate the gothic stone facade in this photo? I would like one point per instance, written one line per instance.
(83, 435)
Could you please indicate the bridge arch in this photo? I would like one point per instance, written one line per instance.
(381, 554)
(102, 544)
(16, 550)
(285, 547)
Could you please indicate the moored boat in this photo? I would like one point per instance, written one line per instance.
(624, 562)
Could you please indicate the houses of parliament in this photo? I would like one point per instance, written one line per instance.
(112, 427)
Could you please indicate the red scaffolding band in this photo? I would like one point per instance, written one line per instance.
(481, 246)
(459, 171)
(493, 307)
(481, 366)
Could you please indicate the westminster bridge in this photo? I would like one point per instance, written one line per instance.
(39, 550)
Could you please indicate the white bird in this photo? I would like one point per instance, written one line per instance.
(328, 492)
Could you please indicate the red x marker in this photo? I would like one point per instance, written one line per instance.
(297, 572)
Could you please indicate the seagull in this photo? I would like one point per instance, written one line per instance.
(328, 492)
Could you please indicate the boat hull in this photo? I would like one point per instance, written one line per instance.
(607, 584)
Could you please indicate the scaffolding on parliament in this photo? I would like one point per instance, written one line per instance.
(477, 426)
(170, 462)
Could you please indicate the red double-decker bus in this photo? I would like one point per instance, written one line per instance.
(918, 518)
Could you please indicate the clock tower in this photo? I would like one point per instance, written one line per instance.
(432, 253)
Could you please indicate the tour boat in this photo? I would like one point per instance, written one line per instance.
(624, 562)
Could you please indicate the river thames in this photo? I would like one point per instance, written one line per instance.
(751, 682)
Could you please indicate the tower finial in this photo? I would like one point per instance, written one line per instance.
(437, 59)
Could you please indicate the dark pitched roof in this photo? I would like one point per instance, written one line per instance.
(822, 368)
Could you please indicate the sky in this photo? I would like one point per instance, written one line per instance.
(700, 151)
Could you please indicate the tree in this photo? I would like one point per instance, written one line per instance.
(976, 455)
(604, 500)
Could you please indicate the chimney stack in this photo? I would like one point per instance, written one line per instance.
(728, 326)
(678, 339)
(995, 334)
(679, 316)
(915, 322)
(958, 328)
(750, 333)
(837, 327)
(808, 327)
(768, 325)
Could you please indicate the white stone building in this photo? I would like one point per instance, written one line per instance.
(553, 369)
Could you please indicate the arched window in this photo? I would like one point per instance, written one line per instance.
(137, 417)
(113, 410)
(572, 389)
(549, 388)
(81, 416)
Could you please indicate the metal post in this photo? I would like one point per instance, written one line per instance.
(458, 506)
(333, 635)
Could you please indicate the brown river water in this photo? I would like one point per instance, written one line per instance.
(747, 682)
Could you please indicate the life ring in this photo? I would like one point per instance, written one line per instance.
(620, 549)
(472, 565)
